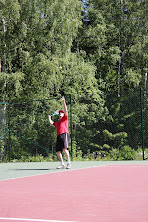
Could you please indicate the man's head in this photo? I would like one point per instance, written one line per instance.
(61, 113)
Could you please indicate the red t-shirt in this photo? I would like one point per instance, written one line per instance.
(62, 125)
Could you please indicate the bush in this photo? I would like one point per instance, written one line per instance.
(37, 158)
(127, 153)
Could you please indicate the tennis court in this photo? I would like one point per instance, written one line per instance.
(91, 191)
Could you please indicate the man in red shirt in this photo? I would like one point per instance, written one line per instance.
(62, 135)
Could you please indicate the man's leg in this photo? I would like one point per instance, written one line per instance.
(68, 158)
(59, 154)
(66, 153)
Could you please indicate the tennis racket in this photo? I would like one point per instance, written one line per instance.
(55, 113)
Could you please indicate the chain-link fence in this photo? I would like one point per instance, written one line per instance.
(115, 132)
(26, 131)
(112, 126)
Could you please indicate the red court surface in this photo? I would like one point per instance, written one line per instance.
(112, 193)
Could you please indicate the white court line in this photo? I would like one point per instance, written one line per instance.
(64, 171)
(129, 165)
(33, 220)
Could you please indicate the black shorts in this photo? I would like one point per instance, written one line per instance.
(62, 141)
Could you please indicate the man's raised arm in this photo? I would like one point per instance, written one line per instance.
(50, 120)
(65, 107)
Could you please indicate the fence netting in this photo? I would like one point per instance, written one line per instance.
(102, 127)
(112, 133)
(30, 132)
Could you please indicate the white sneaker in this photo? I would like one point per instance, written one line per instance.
(62, 166)
(68, 166)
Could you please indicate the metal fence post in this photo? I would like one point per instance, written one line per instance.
(9, 136)
(71, 126)
(142, 133)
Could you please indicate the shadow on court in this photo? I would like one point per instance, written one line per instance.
(30, 169)
(24, 169)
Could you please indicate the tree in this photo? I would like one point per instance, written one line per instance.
(35, 30)
(111, 37)
(55, 47)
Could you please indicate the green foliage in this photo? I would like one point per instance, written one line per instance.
(132, 78)
(77, 152)
(11, 85)
(54, 47)
(118, 136)
(37, 158)
(127, 153)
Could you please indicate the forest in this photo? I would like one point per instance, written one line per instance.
(94, 52)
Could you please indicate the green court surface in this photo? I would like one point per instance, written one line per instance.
(17, 170)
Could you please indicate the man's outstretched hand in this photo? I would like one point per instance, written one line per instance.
(63, 99)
